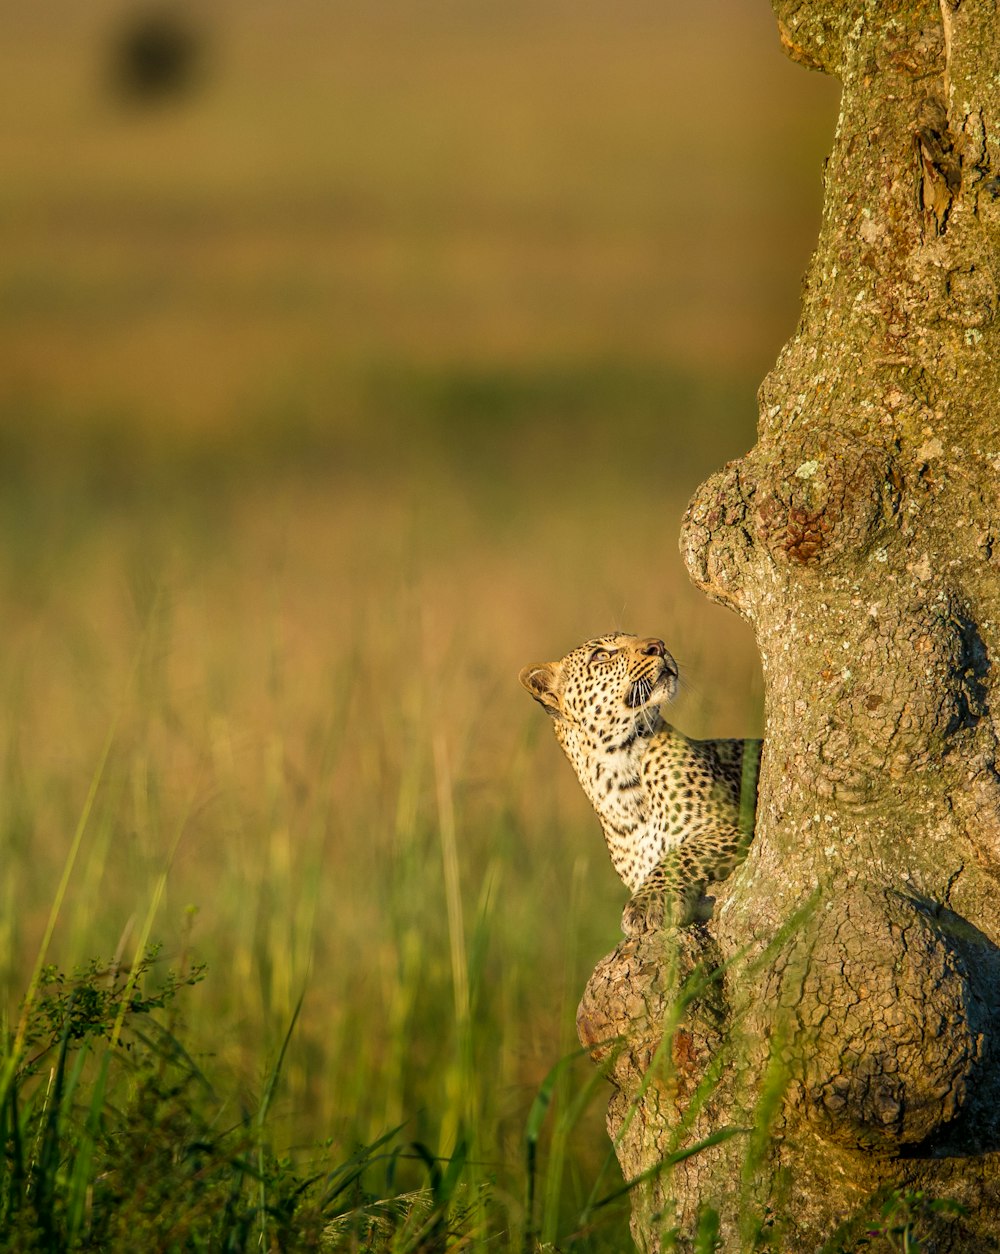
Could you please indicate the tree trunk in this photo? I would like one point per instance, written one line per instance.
(846, 1049)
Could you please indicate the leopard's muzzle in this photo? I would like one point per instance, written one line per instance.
(658, 682)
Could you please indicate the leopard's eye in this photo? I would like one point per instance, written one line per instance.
(602, 655)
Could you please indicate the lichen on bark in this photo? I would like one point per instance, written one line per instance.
(859, 538)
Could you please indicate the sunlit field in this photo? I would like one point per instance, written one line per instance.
(377, 365)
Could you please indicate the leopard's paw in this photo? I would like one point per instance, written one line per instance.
(656, 910)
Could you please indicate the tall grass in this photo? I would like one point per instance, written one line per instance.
(328, 400)
(323, 782)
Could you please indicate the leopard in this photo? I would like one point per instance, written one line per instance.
(677, 813)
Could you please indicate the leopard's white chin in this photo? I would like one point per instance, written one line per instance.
(664, 690)
(662, 693)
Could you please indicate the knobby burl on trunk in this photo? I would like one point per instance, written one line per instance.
(856, 960)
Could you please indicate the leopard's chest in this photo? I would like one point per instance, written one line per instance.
(629, 793)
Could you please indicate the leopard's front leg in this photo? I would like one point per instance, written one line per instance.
(670, 894)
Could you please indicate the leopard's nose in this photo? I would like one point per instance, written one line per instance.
(653, 648)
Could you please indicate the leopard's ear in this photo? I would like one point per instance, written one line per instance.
(540, 681)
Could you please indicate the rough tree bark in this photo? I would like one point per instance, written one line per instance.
(852, 1027)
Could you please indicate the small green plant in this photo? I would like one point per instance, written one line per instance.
(904, 1220)
(87, 1005)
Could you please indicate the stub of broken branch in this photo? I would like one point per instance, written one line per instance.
(638, 996)
(811, 31)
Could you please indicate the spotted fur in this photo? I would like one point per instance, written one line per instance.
(677, 814)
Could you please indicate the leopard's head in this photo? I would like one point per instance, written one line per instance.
(612, 683)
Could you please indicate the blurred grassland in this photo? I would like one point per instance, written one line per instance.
(331, 395)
